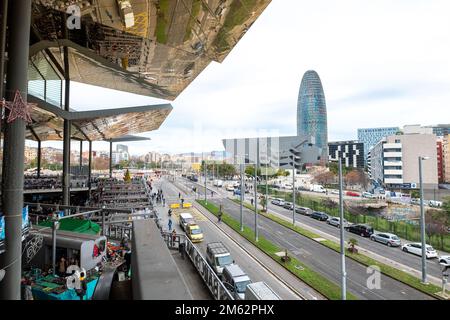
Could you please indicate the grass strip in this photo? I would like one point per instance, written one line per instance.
(396, 274)
(324, 286)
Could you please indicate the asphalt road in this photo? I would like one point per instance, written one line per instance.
(321, 259)
(393, 253)
(211, 234)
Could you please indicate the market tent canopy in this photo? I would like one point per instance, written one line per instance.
(98, 125)
(75, 225)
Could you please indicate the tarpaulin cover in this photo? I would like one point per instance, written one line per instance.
(75, 225)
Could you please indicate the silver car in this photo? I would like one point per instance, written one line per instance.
(335, 221)
(389, 239)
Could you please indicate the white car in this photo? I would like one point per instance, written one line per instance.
(229, 187)
(336, 221)
(444, 260)
(416, 248)
(278, 202)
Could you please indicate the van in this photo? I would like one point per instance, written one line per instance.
(194, 232)
(185, 219)
(235, 280)
(218, 257)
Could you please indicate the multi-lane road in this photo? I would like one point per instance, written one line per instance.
(249, 264)
(318, 257)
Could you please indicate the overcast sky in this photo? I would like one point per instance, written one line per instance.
(382, 63)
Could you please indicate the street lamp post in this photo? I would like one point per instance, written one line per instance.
(342, 235)
(242, 196)
(256, 191)
(293, 193)
(422, 222)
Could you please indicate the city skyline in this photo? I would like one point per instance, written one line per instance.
(250, 94)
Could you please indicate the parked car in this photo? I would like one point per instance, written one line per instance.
(260, 291)
(321, 216)
(416, 248)
(389, 239)
(336, 221)
(444, 260)
(352, 194)
(288, 205)
(218, 256)
(435, 204)
(361, 229)
(278, 202)
(368, 195)
(235, 280)
(304, 211)
(415, 201)
(229, 187)
(334, 191)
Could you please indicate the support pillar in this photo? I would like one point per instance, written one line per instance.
(81, 155)
(67, 132)
(90, 166)
(14, 146)
(39, 156)
(110, 158)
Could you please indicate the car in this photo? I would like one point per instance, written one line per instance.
(230, 187)
(336, 221)
(278, 202)
(389, 239)
(444, 260)
(334, 191)
(415, 201)
(416, 248)
(303, 210)
(321, 216)
(368, 195)
(361, 229)
(288, 205)
(352, 194)
(235, 280)
(218, 256)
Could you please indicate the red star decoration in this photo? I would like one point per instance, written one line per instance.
(18, 108)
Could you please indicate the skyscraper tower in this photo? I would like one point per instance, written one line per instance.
(312, 111)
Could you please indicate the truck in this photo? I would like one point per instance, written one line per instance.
(126, 12)
(317, 188)
(260, 291)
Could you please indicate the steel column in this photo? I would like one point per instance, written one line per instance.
(81, 155)
(13, 155)
(67, 131)
(2, 56)
(293, 192)
(39, 156)
(90, 166)
(110, 158)
(242, 197)
(256, 191)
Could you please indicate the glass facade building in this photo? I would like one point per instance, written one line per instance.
(371, 136)
(312, 111)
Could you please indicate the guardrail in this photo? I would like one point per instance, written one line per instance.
(212, 281)
(118, 232)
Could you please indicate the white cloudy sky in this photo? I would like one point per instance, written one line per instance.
(382, 63)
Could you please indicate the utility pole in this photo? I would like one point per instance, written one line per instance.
(293, 191)
(422, 223)
(256, 192)
(242, 196)
(342, 235)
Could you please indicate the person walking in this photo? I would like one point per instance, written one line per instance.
(170, 224)
(219, 215)
(179, 195)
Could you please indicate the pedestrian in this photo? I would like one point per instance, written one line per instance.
(219, 216)
(212, 194)
(182, 202)
(62, 267)
(164, 201)
(170, 224)
(179, 195)
(174, 237)
(251, 201)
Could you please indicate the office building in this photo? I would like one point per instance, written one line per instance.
(352, 153)
(312, 111)
(440, 159)
(394, 161)
(371, 136)
(446, 158)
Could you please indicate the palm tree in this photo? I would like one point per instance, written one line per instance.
(352, 245)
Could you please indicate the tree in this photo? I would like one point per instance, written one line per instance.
(352, 245)
(127, 177)
(325, 178)
(437, 222)
(263, 203)
(282, 173)
(250, 170)
(356, 177)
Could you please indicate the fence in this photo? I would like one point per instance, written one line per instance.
(402, 229)
(212, 281)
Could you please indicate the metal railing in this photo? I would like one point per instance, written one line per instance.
(212, 281)
(118, 232)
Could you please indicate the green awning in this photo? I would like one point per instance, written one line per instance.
(75, 225)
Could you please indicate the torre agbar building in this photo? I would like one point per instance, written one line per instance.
(312, 111)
